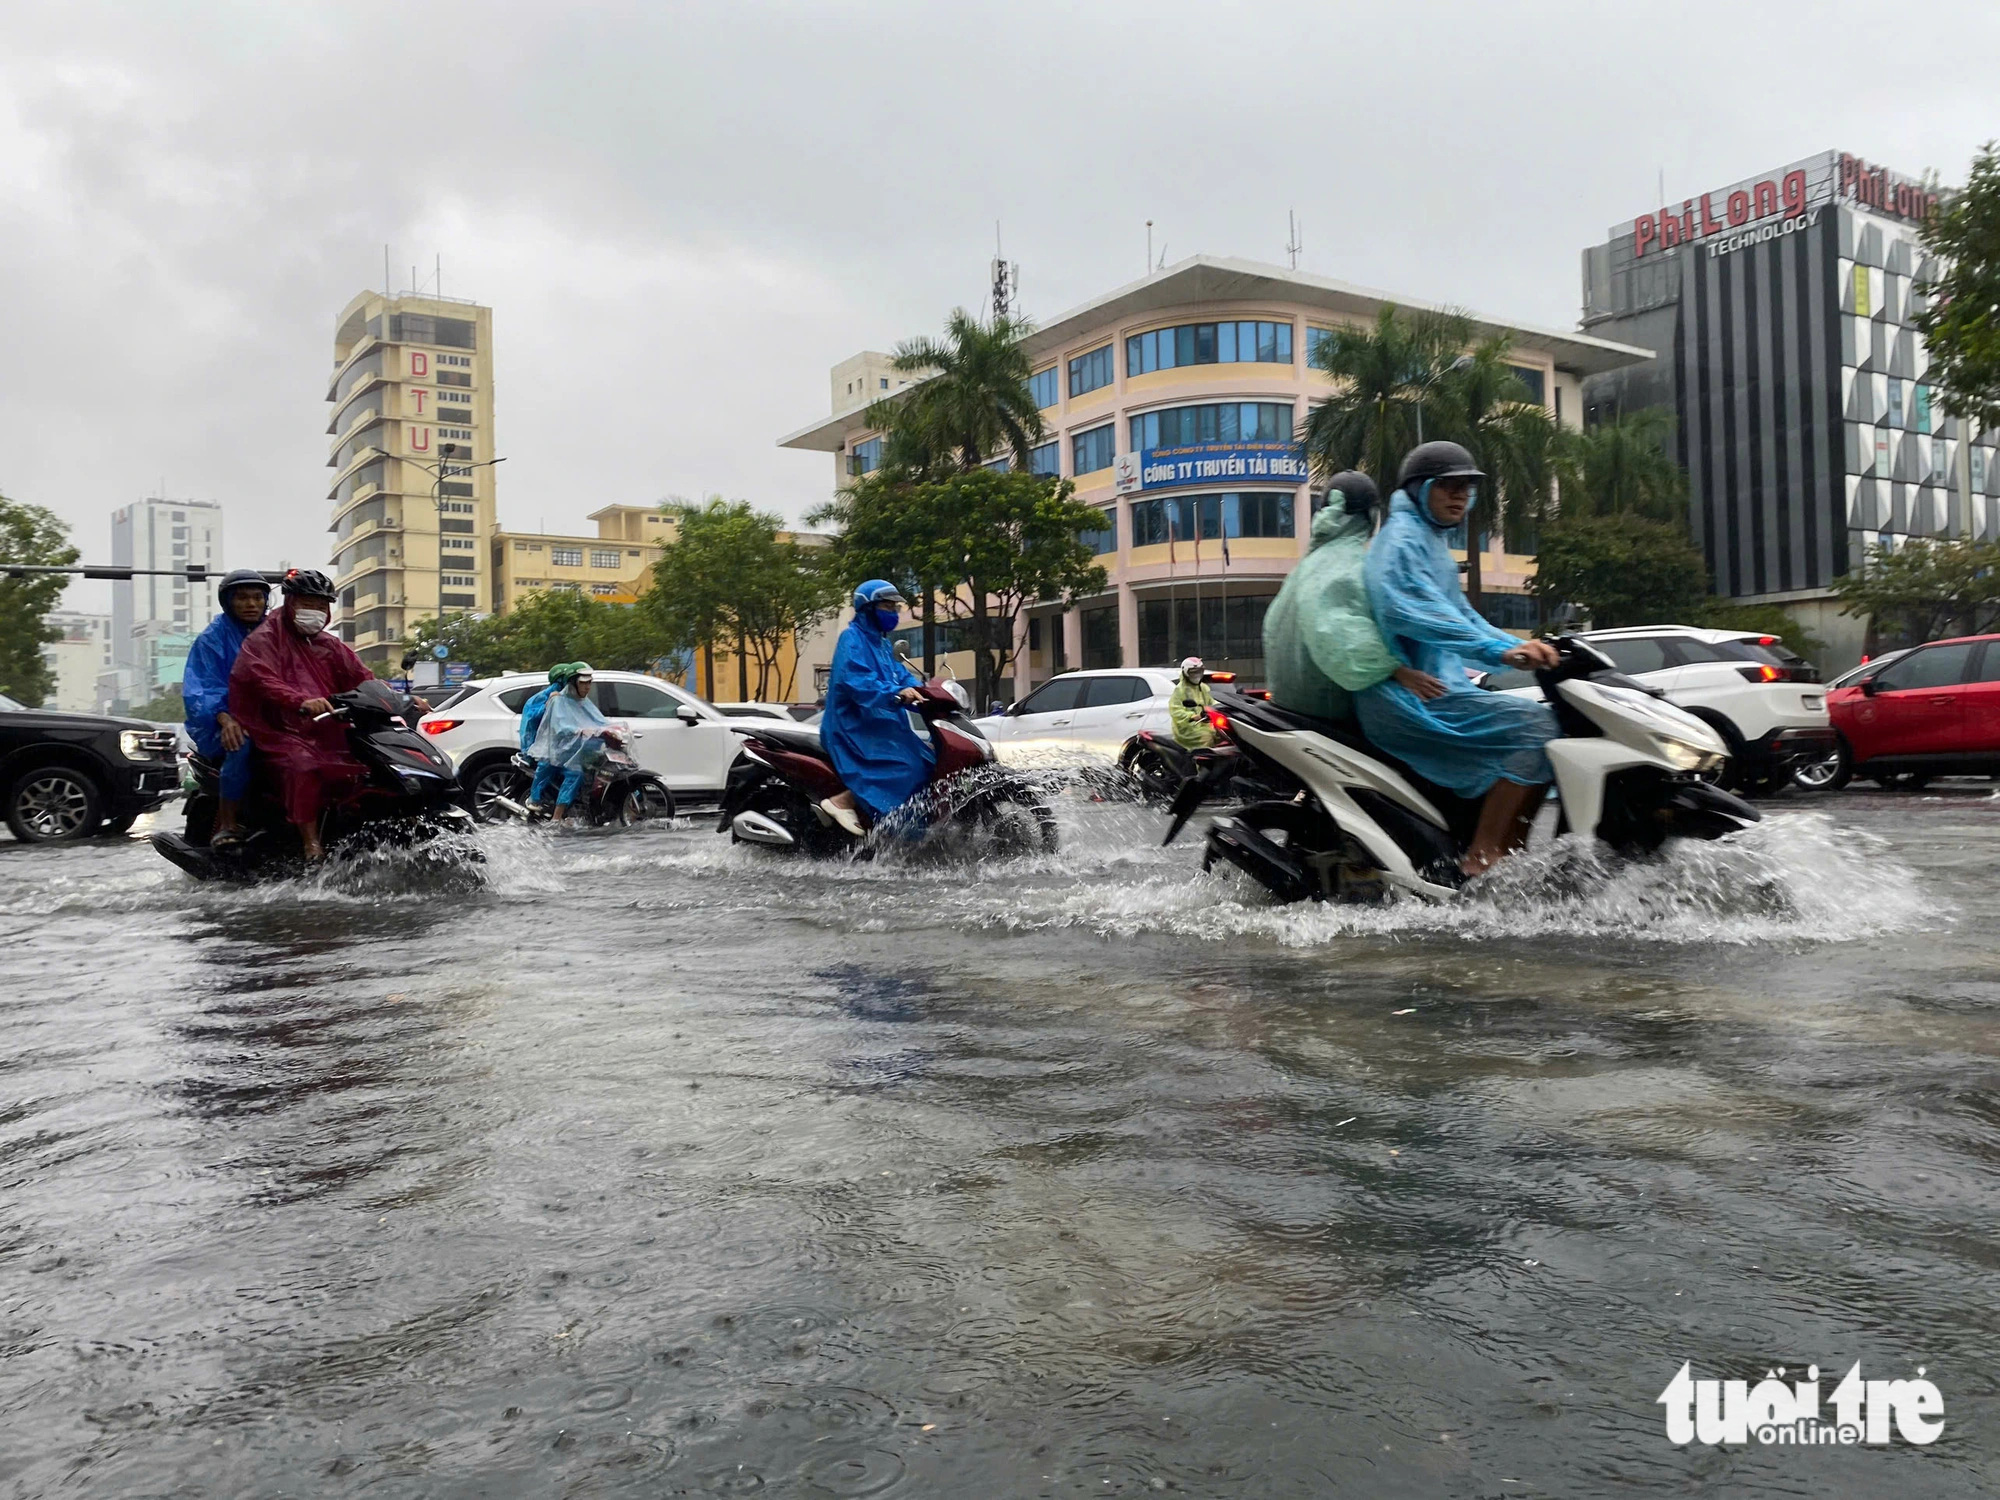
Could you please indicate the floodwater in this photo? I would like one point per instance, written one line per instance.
(644, 1165)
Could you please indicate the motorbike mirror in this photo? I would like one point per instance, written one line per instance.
(687, 715)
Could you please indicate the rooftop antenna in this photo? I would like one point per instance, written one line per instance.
(1005, 279)
(1293, 244)
(437, 277)
(385, 271)
(1149, 247)
(1163, 257)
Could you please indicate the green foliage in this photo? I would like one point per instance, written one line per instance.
(729, 578)
(1622, 468)
(168, 708)
(1621, 570)
(1384, 378)
(1926, 589)
(543, 629)
(1960, 318)
(31, 535)
(976, 403)
(986, 543)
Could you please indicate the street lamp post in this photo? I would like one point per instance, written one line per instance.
(440, 471)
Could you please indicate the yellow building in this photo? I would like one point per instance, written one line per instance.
(615, 566)
(412, 532)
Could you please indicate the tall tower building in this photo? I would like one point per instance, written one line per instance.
(154, 620)
(412, 529)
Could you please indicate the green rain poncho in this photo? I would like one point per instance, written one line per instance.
(1320, 640)
(1188, 707)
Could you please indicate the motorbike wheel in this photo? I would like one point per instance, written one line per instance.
(789, 809)
(1018, 823)
(641, 802)
(1151, 774)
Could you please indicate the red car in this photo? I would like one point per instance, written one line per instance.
(1933, 711)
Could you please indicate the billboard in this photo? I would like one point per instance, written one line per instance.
(1211, 463)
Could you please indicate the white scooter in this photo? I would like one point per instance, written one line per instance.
(1629, 766)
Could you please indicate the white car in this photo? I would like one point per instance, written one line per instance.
(1083, 715)
(671, 732)
(1764, 699)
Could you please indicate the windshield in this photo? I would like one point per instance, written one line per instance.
(9, 706)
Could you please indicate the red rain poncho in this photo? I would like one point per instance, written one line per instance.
(276, 671)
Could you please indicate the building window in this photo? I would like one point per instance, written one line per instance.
(1094, 450)
(1046, 460)
(1105, 538)
(885, 385)
(458, 580)
(1533, 380)
(604, 590)
(1209, 344)
(1217, 629)
(1224, 422)
(462, 360)
(1209, 518)
(452, 377)
(865, 458)
(566, 557)
(604, 559)
(1100, 639)
(1923, 405)
(422, 328)
(1090, 372)
(464, 433)
(520, 546)
(1042, 386)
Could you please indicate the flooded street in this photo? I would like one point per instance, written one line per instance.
(652, 1166)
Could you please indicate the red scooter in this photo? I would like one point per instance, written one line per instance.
(783, 773)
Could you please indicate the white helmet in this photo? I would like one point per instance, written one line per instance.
(1191, 666)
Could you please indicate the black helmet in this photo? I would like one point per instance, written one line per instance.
(242, 578)
(1357, 490)
(308, 583)
(1436, 461)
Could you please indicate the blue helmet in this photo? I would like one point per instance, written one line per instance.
(878, 591)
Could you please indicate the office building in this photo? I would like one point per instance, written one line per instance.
(413, 525)
(155, 618)
(1781, 309)
(615, 566)
(1174, 403)
(78, 658)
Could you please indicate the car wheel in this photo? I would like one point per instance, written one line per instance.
(112, 827)
(52, 806)
(1829, 773)
(495, 779)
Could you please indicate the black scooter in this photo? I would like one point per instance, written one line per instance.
(410, 797)
(617, 789)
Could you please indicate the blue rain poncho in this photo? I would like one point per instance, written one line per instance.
(1320, 641)
(1469, 738)
(532, 713)
(572, 732)
(867, 732)
(205, 680)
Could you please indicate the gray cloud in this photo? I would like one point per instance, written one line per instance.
(682, 215)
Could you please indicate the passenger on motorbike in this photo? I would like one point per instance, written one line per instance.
(245, 596)
(1466, 740)
(288, 669)
(1320, 641)
(882, 762)
(531, 724)
(1188, 705)
(571, 738)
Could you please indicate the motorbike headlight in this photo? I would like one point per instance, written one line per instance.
(1685, 757)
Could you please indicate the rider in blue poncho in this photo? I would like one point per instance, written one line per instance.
(531, 725)
(1466, 740)
(881, 759)
(245, 595)
(571, 738)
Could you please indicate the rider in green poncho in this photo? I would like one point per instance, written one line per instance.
(1188, 707)
(1321, 644)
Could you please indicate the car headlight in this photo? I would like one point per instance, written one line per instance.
(133, 744)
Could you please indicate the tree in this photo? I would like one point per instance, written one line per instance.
(167, 708)
(544, 628)
(1925, 589)
(33, 536)
(730, 577)
(990, 542)
(1620, 570)
(1960, 315)
(1384, 378)
(1479, 401)
(1622, 468)
(974, 404)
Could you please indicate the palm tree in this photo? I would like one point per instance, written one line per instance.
(973, 402)
(1479, 401)
(1386, 381)
(1622, 467)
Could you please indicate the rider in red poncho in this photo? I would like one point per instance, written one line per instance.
(287, 670)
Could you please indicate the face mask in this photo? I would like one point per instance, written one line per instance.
(309, 621)
(886, 620)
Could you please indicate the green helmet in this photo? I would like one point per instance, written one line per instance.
(561, 673)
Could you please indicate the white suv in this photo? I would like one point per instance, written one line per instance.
(672, 733)
(1084, 715)
(1764, 699)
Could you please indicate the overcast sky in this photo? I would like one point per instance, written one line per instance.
(681, 215)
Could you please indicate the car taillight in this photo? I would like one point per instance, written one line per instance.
(1764, 674)
(439, 726)
(1218, 677)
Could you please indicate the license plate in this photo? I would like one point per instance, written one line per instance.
(1813, 702)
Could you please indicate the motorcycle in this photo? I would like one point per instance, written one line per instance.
(410, 797)
(615, 789)
(783, 773)
(1159, 766)
(1357, 823)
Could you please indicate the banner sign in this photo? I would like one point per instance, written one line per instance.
(1234, 464)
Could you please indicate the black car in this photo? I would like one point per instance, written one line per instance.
(67, 776)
